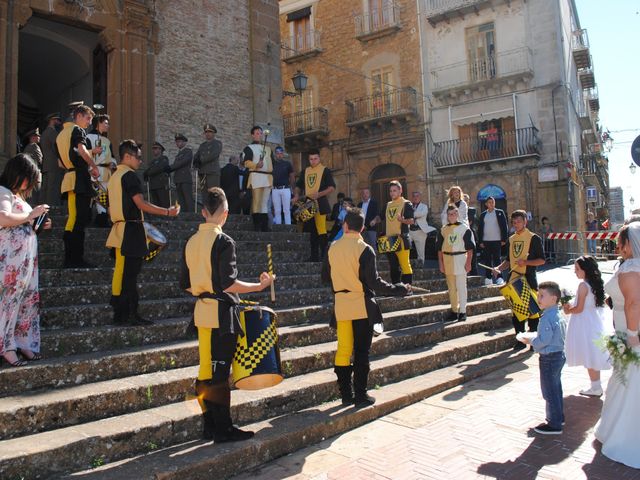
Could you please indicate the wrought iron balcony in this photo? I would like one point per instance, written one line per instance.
(297, 47)
(308, 123)
(378, 22)
(602, 174)
(522, 142)
(483, 71)
(593, 99)
(393, 104)
(580, 49)
(444, 10)
(587, 78)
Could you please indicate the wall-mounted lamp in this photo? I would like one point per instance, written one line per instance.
(299, 84)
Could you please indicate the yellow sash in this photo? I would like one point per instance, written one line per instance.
(394, 227)
(312, 179)
(519, 244)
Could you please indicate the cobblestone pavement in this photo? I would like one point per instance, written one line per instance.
(482, 429)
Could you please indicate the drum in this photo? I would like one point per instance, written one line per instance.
(155, 239)
(522, 299)
(389, 244)
(256, 362)
(305, 211)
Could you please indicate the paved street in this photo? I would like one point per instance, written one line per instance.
(482, 429)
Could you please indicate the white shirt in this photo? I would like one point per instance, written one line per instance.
(491, 227)
(365, 207)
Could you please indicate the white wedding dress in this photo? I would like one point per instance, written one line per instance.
(619, 426)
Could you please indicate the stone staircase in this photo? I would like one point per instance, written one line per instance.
(116, 402)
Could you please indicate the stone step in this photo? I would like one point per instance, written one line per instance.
(72, 341)
(21, 415)
(101, 258)
(85, 357)
(42, 455)
(102, 314)
(290, 291)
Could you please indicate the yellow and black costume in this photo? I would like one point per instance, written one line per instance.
(129, 241)
(208, 268)
(525, 245)
(399, 265)
(351, 269)
(76, 187)
(260, 182)
(314, 180)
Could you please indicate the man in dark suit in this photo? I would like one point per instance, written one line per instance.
(493, 233)
(370, 210)
(51, 171)
(230, 183)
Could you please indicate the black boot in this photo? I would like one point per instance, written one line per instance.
(315, 245)
(208, 425)
(120, 310)
(68, 246)
(135, 317)
(264, 222)
(407, 278)
(344, 384)
(360, 378)
(323, 241)
(255, 217)
(224, 429)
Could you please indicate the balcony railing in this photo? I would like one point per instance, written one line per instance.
(307, 122)
(580, 48)
(302, 45)
(378, 21)
(464, 151)
(492, 67)
(593, 99)
(436, 7)
(587, 77)
(382, 105)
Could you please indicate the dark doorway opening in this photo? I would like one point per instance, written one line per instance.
(380, 179)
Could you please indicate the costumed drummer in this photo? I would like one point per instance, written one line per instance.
(525, 254)
(104, 161)
(351, 270)
(127, 236)
(398, 215)
(258, 160)
(455, 247)
(209, 273)
(316, 183)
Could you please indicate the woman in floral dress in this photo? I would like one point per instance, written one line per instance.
(19, 296)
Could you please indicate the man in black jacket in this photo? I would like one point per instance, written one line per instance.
(371, 218)
(493, 234)
(230, 183)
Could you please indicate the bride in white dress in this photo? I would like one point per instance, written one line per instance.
(619, 426)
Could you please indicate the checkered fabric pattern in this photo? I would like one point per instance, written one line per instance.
(388, 244)
(153, 252)
(249, 358)
(522, 300)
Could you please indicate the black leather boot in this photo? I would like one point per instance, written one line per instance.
(407, 278)
(360, 378)
(255, 217)
(315, 245)
(324, 241)
(68, 246)
(208, 424)
(224, 429)
(264, 222)
(344, 384)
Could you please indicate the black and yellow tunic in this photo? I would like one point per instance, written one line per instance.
(351, 270)
(314, 180)
(525, 245)
(127, 232)
(393, 226)
(76, 177)
(208, 268)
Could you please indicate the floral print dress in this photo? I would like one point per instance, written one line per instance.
(19, 295)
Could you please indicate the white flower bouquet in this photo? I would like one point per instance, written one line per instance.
(620, 353)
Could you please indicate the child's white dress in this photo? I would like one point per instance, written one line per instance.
(584, 330)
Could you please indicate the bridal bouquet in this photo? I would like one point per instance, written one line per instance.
(621, 354)
(566, 297)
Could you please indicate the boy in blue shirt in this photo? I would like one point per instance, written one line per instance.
(549, 343)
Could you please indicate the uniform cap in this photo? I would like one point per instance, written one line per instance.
(159, 145)
(30, 133)
(210, 128)
(180, 136)
(53, 115)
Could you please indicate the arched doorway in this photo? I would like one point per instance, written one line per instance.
(491, 190)
(380, 178)
(57, 64)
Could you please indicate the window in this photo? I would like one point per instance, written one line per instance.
(381, 89)
(489, 139)
(380, 13)
(481, 51)
(302, 38)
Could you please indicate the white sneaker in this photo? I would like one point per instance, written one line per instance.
(592, 392)
(500, 281)
(488, 281)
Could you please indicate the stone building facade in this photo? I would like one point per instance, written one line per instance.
(159, 67)
(363, 106)
(515, 107)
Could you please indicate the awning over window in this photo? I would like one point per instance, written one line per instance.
(490, 109)
(298, 14)
(491, 190)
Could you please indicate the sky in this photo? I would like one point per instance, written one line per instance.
(613, 27)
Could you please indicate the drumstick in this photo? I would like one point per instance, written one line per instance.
(270, 269)
(493, 269)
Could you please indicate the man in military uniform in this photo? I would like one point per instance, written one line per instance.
(77, 159)
(51, 171)
(32, 139)
(183, 176)
(157, 176)
(230, 182)
(316, 183)
(206, 159)
(105, 161)
(259, 161)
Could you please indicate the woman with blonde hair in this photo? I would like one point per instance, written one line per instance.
(455, 197)
(19, 297)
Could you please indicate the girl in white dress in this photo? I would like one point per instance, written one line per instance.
(588, 323)
(619, 426)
